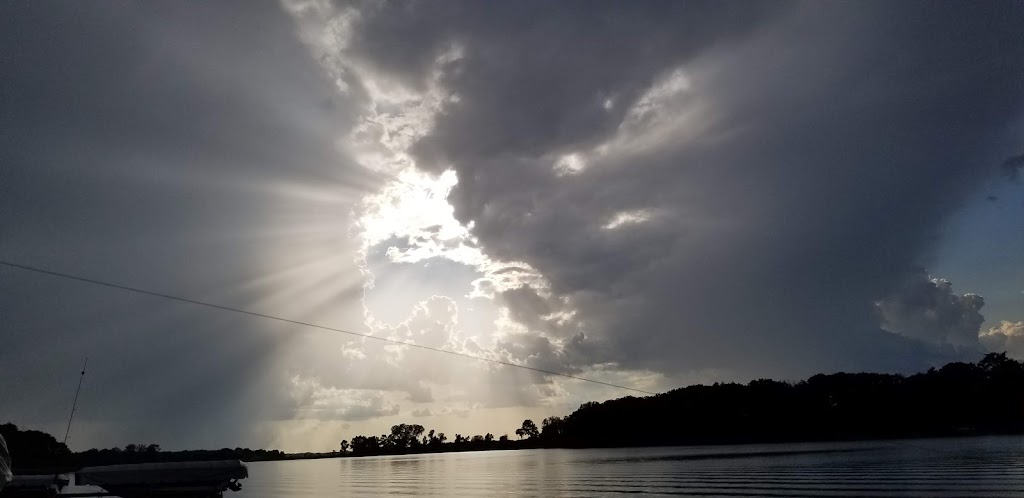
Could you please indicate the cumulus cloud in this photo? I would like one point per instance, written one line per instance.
(333, 367)
(461, 412)
(927, 309)
(327, 403)
(1007, 336)
(432, 324)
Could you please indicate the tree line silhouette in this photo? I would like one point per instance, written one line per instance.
(413, 438)
(986, 397)
(38, 452)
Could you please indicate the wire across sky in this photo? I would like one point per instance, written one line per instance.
(312, 325)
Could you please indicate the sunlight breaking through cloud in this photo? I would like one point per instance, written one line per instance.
(570, 164)
(412, 217)
(628, 218)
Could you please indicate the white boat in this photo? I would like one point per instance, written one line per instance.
(179, 479)
(35, 485)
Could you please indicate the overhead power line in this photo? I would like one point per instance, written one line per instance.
(312, 325)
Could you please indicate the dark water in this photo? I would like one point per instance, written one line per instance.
(989, 466)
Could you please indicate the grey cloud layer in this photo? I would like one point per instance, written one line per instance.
(785, 166)
(160, 146)
(805, 167)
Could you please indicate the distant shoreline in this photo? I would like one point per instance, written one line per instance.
(957, 400)
(965, 434)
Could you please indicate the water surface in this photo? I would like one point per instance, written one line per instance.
(984, 466)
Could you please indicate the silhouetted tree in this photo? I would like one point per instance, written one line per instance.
(551, 430)
(362, 445)
(31, 449)
(404, 436)
(529, 429)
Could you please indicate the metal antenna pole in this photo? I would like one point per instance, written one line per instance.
(75, 404)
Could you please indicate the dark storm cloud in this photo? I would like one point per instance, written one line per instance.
(753, 178)
(537, 72)
(154, 145)
(817, 150)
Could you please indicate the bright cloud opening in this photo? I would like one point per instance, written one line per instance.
(570, 164)
(628, 218)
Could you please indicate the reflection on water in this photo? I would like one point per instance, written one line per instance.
(990, 466)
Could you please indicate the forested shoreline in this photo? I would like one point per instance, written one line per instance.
(986, 397)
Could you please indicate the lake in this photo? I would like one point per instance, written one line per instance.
(978, 466)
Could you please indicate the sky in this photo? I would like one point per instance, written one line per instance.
(648, 194)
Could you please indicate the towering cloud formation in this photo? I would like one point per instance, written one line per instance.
(710, 185)
(927, 309)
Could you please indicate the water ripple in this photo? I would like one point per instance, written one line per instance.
(949, 467)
